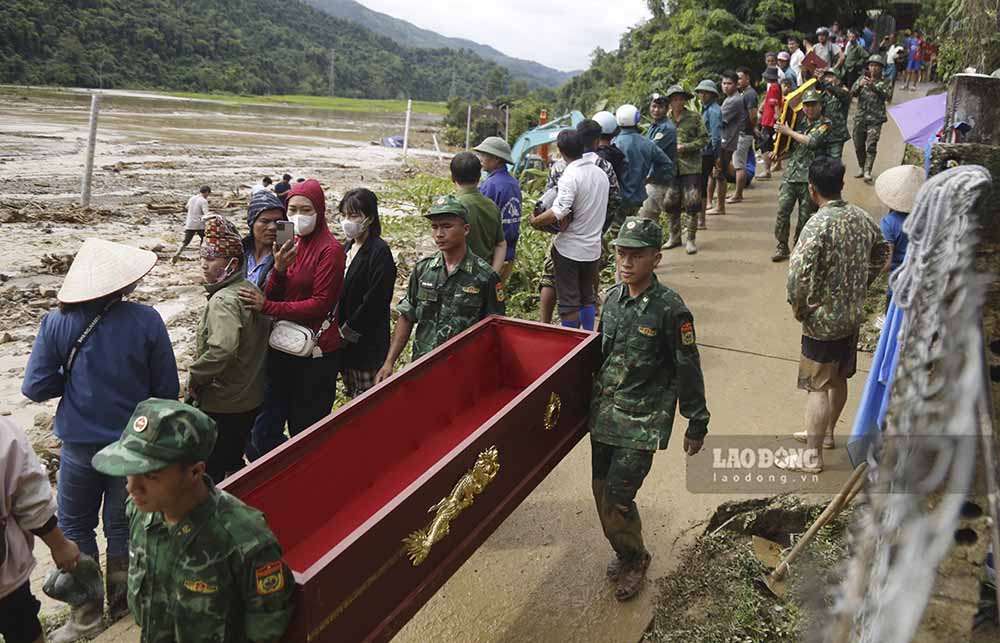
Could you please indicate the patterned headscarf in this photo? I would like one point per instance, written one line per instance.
(221, 239)
(263, 201)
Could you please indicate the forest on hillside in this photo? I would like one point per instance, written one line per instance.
(239, 46)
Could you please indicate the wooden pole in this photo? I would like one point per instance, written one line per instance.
(468, 127)
(95, 105)
(437, 147)
(406, 128)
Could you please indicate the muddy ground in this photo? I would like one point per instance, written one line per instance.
(152, 154)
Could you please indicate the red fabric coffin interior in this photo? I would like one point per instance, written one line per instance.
(382, 446)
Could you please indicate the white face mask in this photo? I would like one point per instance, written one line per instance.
(351, 228)
(304, 225)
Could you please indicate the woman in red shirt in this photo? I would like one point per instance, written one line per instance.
(304, 288)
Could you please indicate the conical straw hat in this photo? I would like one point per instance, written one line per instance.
(897, 188)
(102, 268)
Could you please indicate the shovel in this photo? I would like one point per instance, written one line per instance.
(769, 552)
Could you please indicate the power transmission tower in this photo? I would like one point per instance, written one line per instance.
(333, 73)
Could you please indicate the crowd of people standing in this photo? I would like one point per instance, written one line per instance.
(286, 319)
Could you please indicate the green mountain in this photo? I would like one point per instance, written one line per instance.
(410, 35)
(239, 46)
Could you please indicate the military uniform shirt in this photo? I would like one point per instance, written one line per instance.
(692, 134)
(444, 305)
(836, 104)
(215, 576)
(803, 154)
(871, 101)
(839, 254)
(664, 134)
(649, 361)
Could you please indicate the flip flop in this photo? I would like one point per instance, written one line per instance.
(827, 439)
(732, 200)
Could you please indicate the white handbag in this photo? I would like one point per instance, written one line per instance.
(298, 340)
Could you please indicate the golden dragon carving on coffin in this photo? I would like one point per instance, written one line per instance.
(418, 544)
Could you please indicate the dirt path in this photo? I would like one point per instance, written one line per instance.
(540, 577)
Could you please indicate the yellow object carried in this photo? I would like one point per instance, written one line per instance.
(790, 114)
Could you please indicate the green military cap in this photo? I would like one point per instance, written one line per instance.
(495, 146)
(677, 89)
(875, 58)
(639, 232)
(811, 96)
(707, 85)
(159, 433)
(449, 204)
(77, 587)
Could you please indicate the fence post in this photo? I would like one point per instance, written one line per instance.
(406, 128)
(88, 170)
(468, 127)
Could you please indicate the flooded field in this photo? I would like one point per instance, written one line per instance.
(153, 152)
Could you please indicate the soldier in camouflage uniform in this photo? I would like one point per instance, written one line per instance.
(448, 292)
(685, 189)
(649, 363)
(810, 136)
(839, 255)
(836, 105)
(873, 92)
(203, 566)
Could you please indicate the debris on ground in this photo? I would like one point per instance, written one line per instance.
(716, 594)
(57, 263)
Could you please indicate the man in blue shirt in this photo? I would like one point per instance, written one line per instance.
(504, 190)
(645, 160)
(711, 114)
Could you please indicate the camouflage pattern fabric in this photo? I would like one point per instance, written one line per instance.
(836, 150)
(872, 98)
(618, 473)
(649, 363)
(159, 433)
(788, 195)
(443, 305)
(836, 104)
(684, 191)
(866, 137)
(803, 155)
(217, 575)
(840, 253)
(693, 135)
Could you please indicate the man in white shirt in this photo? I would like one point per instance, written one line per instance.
(197, 210)
(797, 55)
(579, 210)
(828, 50)
(265, 184)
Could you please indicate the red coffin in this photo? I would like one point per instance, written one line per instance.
(467, 431)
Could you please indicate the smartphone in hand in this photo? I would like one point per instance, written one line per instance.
(286, 232)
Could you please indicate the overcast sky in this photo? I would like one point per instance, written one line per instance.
(558, 34)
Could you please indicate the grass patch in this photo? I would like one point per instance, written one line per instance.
(321, 102)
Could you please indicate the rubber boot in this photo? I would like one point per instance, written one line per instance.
(85, 621)
(780, 253)
(116, 586)
(689, 247)
(672, 242)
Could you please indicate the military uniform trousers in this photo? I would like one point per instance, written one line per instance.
(836, 150)
(618, 473)
(789, 194)
(866, 137)
(670, 197)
